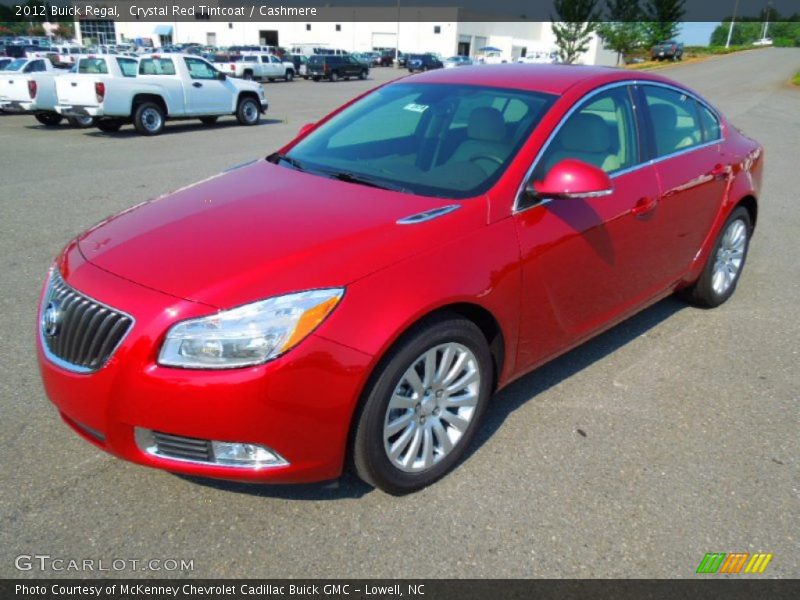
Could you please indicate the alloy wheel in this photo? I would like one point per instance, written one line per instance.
(730, 256)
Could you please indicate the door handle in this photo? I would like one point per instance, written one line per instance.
(197, 84)
(644, 206)
(719, 172)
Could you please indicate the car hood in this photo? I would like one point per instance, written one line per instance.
(263, 230)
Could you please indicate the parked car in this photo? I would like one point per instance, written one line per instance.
(363, 58)
(669, 50)
(386, 58)
(763, 42)
(423, 62)
(167, 86)
(5, 61)
(539, 57)
(29, 87)
(457, 61)
(300, 63)
(335, 67)
(257, 66)
(357, 297)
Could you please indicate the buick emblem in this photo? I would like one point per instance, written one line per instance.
(51, 319)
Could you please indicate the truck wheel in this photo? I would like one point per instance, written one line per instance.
(334, 76)
(149, 118)
(80, 122)
(270, 79)
(49, 119)
(316, 78)
(248, 76)
(289, 75)
(363, 74)
(208, 120)
(109, 125)
(248, 112)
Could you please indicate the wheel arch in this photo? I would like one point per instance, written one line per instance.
(247, 94)
(751, 204)
(148, 97)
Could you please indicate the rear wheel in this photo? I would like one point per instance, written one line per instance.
(109, 125)
(248, 112)
(148, 118)
(334, 76)
(248, 75)
(289, 75)
(208, 120)
(81, 122)
(423, 406)
(724, 266)
(362, 74)
(49, 119)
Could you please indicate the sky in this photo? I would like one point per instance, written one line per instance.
(695, 33)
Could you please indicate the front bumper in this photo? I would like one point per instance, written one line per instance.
(300, 405)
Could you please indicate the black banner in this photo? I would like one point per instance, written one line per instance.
(360, 589)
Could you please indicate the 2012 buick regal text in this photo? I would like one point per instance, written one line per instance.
(357, 297)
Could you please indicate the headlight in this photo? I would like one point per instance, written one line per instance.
(247, 335)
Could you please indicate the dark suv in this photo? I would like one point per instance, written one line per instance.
(423, 62)
(335, 67)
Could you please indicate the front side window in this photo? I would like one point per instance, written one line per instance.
(94, 66)
(676, 125)
(16, 65)
(128, 66)
(451, 141)
(156, 66)
(601, 132)
(200, 69)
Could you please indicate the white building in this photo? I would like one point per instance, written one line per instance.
(445, 37)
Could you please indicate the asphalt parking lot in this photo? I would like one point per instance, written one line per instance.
(672, 435)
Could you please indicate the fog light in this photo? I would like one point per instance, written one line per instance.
(245, 455)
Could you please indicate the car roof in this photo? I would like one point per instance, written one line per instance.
(553, 79)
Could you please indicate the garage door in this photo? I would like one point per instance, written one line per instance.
(384, 40)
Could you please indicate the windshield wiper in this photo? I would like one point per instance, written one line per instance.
(277, 157)
(348, 177)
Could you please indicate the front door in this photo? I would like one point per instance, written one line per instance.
(206, 94)
(588, 261)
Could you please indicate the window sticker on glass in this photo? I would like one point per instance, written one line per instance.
(413, 107)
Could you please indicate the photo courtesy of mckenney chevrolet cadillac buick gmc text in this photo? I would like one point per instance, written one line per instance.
(358, 296)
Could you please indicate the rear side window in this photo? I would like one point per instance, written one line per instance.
(676, 125)
(156, 66)
(316, 60)
(35, 66)
(128, 66)
(711, 128)
(250, 59)
(93, 66)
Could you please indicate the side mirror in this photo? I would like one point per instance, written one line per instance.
(305, 129)
(221, 76)
(571, 178)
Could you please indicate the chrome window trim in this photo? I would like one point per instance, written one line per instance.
(628, 82)
(60, 362)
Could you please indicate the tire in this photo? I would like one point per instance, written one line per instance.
(108, 125)
(248, 112)
(81, 122)
(315, 78)
(334, 77)
(363, 74)
(714, 287)
(248, 76)
(271, 79)
(148, 118)
(289, 75)
(49, 119)
(208, 120)
(372, 440)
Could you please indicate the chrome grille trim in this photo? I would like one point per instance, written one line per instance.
(90, 331)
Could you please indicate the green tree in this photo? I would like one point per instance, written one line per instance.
(573, 28)
(622, 32)
(662, 20)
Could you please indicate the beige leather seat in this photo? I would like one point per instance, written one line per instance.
(586, 137)
(486, 132)
(665, 122)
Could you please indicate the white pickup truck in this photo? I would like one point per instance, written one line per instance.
(166, 86)
(257, 66)
(28, 86)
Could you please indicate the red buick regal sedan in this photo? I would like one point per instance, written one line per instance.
(358, 296)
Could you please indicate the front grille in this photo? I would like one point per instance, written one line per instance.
(78, 332)
(185, 448)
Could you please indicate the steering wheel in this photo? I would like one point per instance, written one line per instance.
(493, 159)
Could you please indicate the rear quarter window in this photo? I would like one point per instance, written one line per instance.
(156, 66)
(128, 66)
(710, 122)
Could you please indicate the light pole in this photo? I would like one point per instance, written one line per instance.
(397, 39)
(730, 29)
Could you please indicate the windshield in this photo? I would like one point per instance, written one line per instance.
(16, 65)
(451, 141)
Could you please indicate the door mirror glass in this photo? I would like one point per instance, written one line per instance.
(221, 76)
(572, 178)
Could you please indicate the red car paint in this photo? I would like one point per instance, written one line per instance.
(550, 276)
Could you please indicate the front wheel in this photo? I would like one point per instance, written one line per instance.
(363, 74)
(248, 111)
(423, 406)
(724, 266)
(81, 122)
(289, 75)
(49, 119)
(334, 76)
(148, 118)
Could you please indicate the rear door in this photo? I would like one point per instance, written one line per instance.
(692, 171)
(588, 261)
